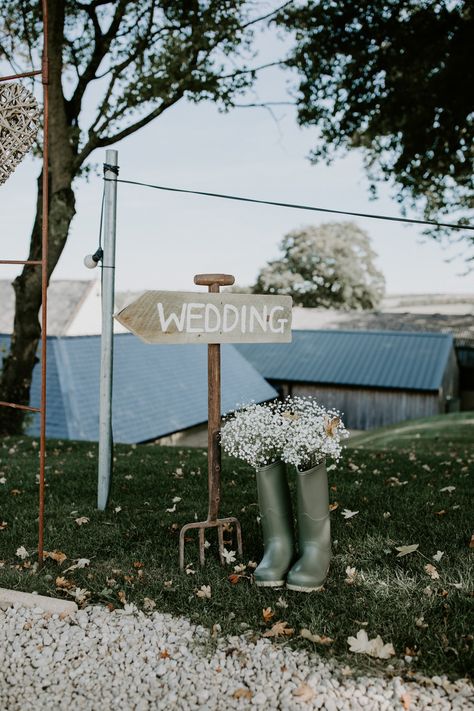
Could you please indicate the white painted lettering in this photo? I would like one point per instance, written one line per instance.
(262, 319)
(226, 325)
(191, 317)
(165, 323)
(207, 319)
(243, 317)
(281, 321)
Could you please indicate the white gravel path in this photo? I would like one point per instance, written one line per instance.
(101, 660)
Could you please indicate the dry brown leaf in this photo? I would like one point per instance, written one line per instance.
(64, 583)
(81, 520)
(242, 693)
(279, 629)
(471, 542)
(234, 578)
(334, 506)
(316, 638)
(58, 556)
(121, 596)
(432, 572)
(267, 614)
(137, 564)
(304, 693)
(164, 654)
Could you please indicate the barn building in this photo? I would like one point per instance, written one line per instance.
(375, 378)
(159, 391)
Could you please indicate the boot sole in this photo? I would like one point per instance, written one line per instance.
(270, 583)
(298, 588)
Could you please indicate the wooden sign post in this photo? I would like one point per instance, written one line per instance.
(212, 318)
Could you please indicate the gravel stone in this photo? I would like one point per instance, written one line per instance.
(98, 660)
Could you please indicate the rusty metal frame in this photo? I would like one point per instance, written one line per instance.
(43, 263)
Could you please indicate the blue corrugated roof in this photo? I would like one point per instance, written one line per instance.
(379, 359)
(157, 389)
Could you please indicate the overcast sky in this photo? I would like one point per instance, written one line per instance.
(163, 239)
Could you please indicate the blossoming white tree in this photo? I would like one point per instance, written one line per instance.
(330, 266)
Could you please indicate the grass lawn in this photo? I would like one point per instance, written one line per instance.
(133, 547)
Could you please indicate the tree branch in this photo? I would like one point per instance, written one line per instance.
(101, 47)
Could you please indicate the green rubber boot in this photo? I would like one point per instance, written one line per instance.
(277, 525)
(314, 531)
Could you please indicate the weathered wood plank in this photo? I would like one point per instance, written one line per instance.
(199, 317)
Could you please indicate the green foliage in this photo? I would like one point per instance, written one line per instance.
(394, 78)
(134, 550)
(141, 56)
(330, 266)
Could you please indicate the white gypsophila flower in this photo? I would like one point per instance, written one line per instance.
(313, 432)
(256, 434)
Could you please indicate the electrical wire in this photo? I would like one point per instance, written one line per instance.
(295, 206)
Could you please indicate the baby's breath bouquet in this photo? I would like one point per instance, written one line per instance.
(256, 434)
(313, 434)
(298, 431)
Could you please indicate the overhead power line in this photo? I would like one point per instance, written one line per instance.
(295, 206)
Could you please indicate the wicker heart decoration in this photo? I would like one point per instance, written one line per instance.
(19, 123)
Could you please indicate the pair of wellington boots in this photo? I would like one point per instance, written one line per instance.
(314, 535)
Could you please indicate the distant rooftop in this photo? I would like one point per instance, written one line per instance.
(157, 390)
(375, 359)
(65, 299)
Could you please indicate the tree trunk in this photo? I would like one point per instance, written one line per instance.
(18, 366)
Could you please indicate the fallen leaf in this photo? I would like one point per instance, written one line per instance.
(240, 568)
(62, 582)
(449, 489)
(349, 514)
(334, 506)
(351, 574)
(79, 594)
(81, 520)
(3, 525)
(117, 509)
(279, 629)
(405, 550)
(15, 492)
(148, 604)
(164, 654)
(172, 509)
(234, 578)
(316, 638)
(471, 543)
(176, 499)
(373, 647)
(204, 591)
(122, 597)
(304, 693)
(281, 602)
(267, 614)
(440, 513)
(242, 693)
(437, 556)
(432, 572)
(80, 563)
(57, 556)
(229, 556)
(420, 622)
(22, 553)
(386, 514)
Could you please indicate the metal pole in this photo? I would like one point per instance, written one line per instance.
(107, 340)
(44, 279)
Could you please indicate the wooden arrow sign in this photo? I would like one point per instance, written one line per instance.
(199, 317)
